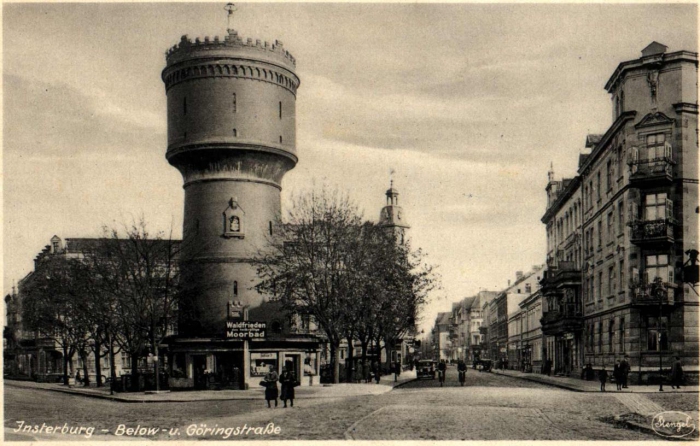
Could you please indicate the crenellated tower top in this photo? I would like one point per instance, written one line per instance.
(216, 47)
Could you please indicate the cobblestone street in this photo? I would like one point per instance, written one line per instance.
(488, 407)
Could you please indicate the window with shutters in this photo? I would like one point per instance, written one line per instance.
(657, 207)
(655, 149)
(657, 266)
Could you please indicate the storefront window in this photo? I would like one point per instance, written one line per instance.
(260, 362)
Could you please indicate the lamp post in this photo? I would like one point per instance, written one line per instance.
(658, 290)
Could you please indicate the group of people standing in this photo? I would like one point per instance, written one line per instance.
(288, 381)
(364, 371)
(621, 372)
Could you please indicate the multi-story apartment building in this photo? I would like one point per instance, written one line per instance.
(442, 345)
(630, 218)
(562, 317)
(476, 322)
(531, 332)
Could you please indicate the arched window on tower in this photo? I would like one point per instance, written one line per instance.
(270, 227)
(280, 109)
(280, 139)
(235, 288)
(235, 133)
(234, 104)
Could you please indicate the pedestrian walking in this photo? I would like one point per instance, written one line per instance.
(366, 372)
(677, 374)
(376, 372)
(77, 377)
(271, 391)
(625, 367)
(617, 374)
(603, 377)
(288, 381)
(396, 371)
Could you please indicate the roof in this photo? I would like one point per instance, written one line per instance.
(593, 139)
(468, 302)
(443, 318)
(654, 48)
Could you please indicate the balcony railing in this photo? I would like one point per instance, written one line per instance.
(652, 171)
(565, 318)
(644, 298)
(647, 231)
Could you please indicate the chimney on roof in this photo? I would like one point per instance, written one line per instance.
(518, 275)
(508, 282)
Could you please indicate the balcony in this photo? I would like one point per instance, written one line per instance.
(650, 173)
(644, 298)
(652, 232)
(564, 319)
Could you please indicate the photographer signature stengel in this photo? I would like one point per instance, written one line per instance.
(673, 424)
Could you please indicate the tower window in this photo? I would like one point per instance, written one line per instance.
(270, 227)
(234, 105)
(280, 109)
(235, 288)
(235, 133)
(280, 139)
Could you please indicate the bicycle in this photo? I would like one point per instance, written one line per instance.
(441, 377)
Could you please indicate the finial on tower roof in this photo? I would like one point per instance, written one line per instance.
(231, 8)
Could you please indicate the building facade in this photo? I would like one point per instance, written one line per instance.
(562, 317)
(531, 337)
(231, 108)
(621, 232)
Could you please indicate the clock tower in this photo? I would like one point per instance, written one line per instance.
(392, 217)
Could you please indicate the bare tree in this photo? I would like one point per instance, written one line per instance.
(52, 307)
(136, 277)
(306, 266)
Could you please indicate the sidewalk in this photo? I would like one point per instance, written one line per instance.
(579, 385)
(321, 391)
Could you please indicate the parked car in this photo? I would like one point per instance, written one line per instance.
(426, 369)
(483, 365)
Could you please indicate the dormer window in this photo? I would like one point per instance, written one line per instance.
(56, 247)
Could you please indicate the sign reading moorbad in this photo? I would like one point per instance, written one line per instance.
(245, 330)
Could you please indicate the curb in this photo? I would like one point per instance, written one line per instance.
(546, 383)
(147, 401)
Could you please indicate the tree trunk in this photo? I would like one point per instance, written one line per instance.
(349, 375)
(65, 365)
(86, 376)
(98, 363)
(112, 366)
(336, 363)
(134, 372)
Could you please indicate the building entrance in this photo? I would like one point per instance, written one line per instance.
(229, 370)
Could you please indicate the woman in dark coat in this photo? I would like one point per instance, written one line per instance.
(271, 391)
(677, 374)
(288, 381)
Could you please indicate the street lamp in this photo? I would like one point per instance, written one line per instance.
(658, 290)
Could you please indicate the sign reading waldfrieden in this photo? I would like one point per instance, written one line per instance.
(245, 330)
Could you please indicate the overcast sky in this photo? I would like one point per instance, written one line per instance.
(468, 103)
